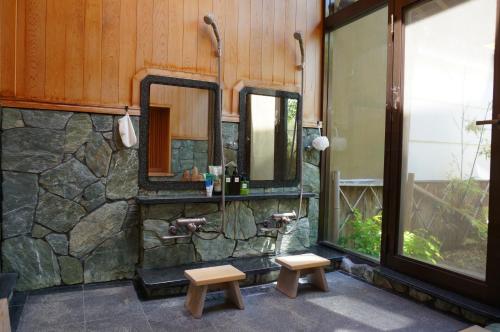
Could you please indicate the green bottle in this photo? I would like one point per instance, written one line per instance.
(244, 185)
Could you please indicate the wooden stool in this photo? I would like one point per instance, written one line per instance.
(224, 276)
(293, 267)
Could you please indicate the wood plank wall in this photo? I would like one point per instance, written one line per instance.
(83, 54)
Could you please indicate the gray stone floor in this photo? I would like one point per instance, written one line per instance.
(351, 305)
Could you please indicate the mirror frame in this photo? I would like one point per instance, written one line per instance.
(144, 181)
(244, 137)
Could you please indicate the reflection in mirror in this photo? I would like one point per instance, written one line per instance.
(271, 149)
(262, 132)
(179, 135)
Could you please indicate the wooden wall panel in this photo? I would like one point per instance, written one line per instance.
(7, 47)
(110, 51)
(73, 69)
(84, 54)
(128, 46)
(55, 50)
(92, 51)
(34, 79)
(256, 40)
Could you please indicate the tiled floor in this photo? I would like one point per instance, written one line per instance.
(350, 305)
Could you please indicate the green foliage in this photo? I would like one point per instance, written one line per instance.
(422, 246)
(364, 234)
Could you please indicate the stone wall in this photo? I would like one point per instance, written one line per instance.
(69, 211)
(240, 235)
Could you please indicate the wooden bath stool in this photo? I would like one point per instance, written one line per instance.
(293, 267)
(224, 276)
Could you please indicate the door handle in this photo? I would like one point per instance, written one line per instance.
(492, 122)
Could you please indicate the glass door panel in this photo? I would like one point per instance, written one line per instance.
(356, 116)
(447, 87)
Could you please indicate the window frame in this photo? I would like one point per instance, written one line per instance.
(487, 291)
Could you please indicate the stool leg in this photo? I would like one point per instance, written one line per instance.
(4, 316)
(318, 279)
(288, 282)
(195, 299)
(233, 294)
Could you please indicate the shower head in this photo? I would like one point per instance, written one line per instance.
(210, 20)
(298, 36)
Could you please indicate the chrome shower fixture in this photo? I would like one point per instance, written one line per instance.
(298, 36)
(209, 19)
(190, 224)
(284, 217)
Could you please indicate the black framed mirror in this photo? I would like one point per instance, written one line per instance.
(270, 136)
(179, 130)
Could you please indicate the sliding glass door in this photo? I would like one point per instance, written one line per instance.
(413, 115)
(356, 113)
(442, 202)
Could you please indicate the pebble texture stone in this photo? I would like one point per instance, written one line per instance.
(78, 131)
(39, 231)
(114, 259)
(240, 223)
(102, 122)
(20, 193)
(122, 180)
(58, 242)
(98, 155)
(68, 179)
(153, 231)
(71, 270)
(44, 119)
(165, 211)
(97, 227)
(31, 150)
(93, 196)
(33, 259)
(295, 236)
(264, 209)
(213, 249)
(58, 214)
(11, 118)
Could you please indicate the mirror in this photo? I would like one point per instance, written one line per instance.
(270, 123)
(178, 125)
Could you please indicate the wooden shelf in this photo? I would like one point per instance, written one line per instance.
(148, 200)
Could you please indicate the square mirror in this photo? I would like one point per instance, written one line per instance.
(178, 132)
(271, 133)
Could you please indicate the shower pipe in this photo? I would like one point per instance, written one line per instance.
(298, 36)
(210, 20)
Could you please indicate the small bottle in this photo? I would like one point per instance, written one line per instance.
(244, 185)
(234, 186)
(227, 180)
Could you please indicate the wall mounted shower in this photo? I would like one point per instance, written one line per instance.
(298, 36)
(210, 20)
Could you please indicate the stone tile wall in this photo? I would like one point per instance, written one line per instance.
(69, 214)
(69, 211)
